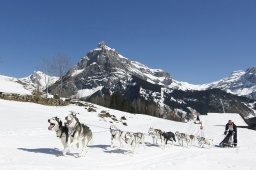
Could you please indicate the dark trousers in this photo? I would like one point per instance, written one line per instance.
(230, 133)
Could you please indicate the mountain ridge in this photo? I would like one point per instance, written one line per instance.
(106, 77)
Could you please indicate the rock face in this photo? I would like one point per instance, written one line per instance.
(107, 78)
(105, 67)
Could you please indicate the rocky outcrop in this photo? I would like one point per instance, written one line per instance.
(34, 99)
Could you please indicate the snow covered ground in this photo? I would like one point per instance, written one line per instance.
(27, 144)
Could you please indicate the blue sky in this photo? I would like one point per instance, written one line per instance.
(198, 41)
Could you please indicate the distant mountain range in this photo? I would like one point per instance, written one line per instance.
(241, 83)
(106, 77)
(38, 81)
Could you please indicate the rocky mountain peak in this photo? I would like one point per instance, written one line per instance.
(251, 70)
(250, 75)
(104, 66)
(103, 45)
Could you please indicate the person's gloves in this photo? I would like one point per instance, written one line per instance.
(225, 132)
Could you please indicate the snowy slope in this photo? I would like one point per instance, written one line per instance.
(187, 86)
(26, 143)
(11, 85)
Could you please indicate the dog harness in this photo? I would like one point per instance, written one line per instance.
(62, 130)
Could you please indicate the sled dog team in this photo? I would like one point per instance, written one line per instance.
(181, 137)
(73, 133)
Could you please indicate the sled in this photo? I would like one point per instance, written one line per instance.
(227, 142)
(226, 146)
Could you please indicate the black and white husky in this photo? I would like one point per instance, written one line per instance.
(182, 138)
(117, 136)
(78, 132)
(155, 134)
(61, 132)
(126, 138)
(202, 141)
(139, 139)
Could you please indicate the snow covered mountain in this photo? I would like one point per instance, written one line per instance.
(107, 78)
(241, 83)
(38, 80)
(26, 86)
(105, 67)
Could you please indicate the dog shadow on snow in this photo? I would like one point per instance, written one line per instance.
(48, 151)
(57, 152)
(108, 149)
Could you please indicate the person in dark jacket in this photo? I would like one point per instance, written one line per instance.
(230, 129)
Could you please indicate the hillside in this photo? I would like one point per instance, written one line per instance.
(26, 143)
(12, 85)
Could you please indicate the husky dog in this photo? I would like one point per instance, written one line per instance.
(78, 132)
(182, 137)
(168, 136)
(117, 135)
(204, 141)
(126, 138)
(192, 139)
(129, 139)
(139, 138)
(155, 134)
(61, 132)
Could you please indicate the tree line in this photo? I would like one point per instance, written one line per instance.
(139, 106)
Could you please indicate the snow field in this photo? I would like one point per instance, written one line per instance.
(27, 144)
